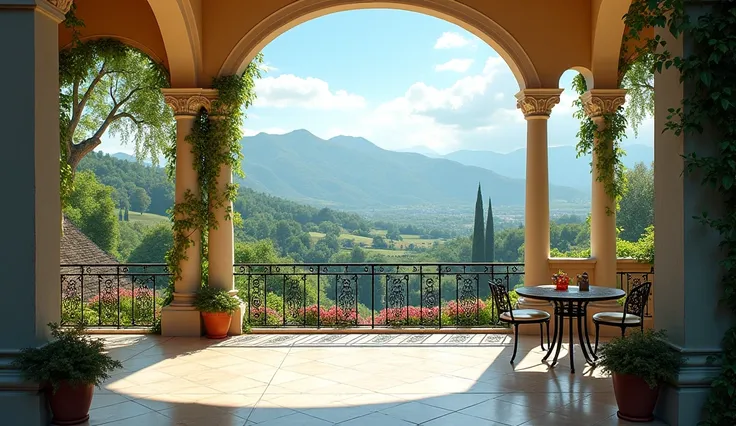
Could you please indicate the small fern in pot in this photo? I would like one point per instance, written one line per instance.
(639, 363)
(217, 307)
(69, 367)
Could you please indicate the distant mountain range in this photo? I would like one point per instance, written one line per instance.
(564, 168)
(353, 173)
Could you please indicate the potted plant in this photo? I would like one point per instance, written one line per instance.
(69, 367)
(639, 363)
(217, 307)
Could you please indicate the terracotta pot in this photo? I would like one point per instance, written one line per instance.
(635, 399)
(70, 404)
(217, 324)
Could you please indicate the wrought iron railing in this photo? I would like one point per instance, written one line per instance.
(113, 295)
(628, 280)
(372, 295)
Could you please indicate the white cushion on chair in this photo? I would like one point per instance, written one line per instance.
(616, 317)
(525, 315)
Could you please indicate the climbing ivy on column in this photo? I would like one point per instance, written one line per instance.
(710, 72)
(215, 141)
(607, 149)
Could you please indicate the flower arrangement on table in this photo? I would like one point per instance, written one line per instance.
(561, 280)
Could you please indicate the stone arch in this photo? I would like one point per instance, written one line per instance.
(182, 38)
(451, 11)
(607, 36)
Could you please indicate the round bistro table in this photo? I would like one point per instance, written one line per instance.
(571, 304)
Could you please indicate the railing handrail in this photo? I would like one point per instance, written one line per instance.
(109, 265)
(381, 263)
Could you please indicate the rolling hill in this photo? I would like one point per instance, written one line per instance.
(353, 173)
(577, 170)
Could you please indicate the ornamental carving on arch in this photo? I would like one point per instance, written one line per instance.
(534, 105)
(597, 104)
(62, 5)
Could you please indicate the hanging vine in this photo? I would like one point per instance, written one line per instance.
(709, 70)
(215, 142)
(604, 143)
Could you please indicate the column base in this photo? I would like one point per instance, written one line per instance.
(180, 321)
(24, 407)
(236, 326)
(681, 404)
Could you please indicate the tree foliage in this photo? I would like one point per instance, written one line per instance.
(154, 244)
(490, 251)
(110, 88)
(478, 253)
(91, 209)
(637, 206)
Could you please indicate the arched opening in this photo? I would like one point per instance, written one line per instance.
(465, 17)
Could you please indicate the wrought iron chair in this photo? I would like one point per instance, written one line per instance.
(507, 313)
(632, 316)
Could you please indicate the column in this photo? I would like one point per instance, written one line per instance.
(29, 245)
(221, 246)
(180, 318)
(687, 254)
(598, 102)
(536, 104)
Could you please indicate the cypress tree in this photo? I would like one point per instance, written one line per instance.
(478, 253)
(120, 215)
(490, 235)
(126, 216)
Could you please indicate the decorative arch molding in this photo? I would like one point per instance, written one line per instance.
(182, 39)
(464, 16)
(606, 43)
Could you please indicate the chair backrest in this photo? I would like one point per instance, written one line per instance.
(501, 299)
(637, 300)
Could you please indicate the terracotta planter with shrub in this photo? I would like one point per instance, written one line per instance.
(217, 324)
(70, 404)
(69, 366)
(639, 363)
(635, 399)
(217, 306)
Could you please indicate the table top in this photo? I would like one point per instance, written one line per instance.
(573, 293)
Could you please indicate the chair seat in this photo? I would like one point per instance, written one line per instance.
(521, 315)
(616, 318)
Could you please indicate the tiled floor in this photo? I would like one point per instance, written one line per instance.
(274, 380)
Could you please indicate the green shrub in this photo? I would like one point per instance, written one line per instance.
(71, 357)
(646, 355)
(212, 299)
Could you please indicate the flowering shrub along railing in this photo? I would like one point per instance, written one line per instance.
(372, 295)
(112, 295)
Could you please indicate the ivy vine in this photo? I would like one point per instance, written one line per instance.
(604, 142)
(709, 70)
(215, 142)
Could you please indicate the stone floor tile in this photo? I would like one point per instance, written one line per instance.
(457, 401)
(615, 421)
(415, 412)
(115, 412)
(376, 419)
(459, 419)
(503, 412)
(148, 419)
(295, 419)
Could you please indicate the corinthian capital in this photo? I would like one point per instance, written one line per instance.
(598, 102)
(189, 101)
(62, 5)
(537, 103)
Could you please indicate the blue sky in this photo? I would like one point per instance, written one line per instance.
(399, 79)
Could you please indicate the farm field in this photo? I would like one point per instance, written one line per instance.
(147, 218)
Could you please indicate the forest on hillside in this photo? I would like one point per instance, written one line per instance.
(123, 205)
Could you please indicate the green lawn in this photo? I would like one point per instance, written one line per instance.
(147, 218)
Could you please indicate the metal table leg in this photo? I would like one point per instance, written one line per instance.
(554, 338)
(571, 350)
(559, 307)
(582, 316)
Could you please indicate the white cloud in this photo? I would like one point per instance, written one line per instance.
(267, 67)
(456, 65)
(288, 90)
(450, 40)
